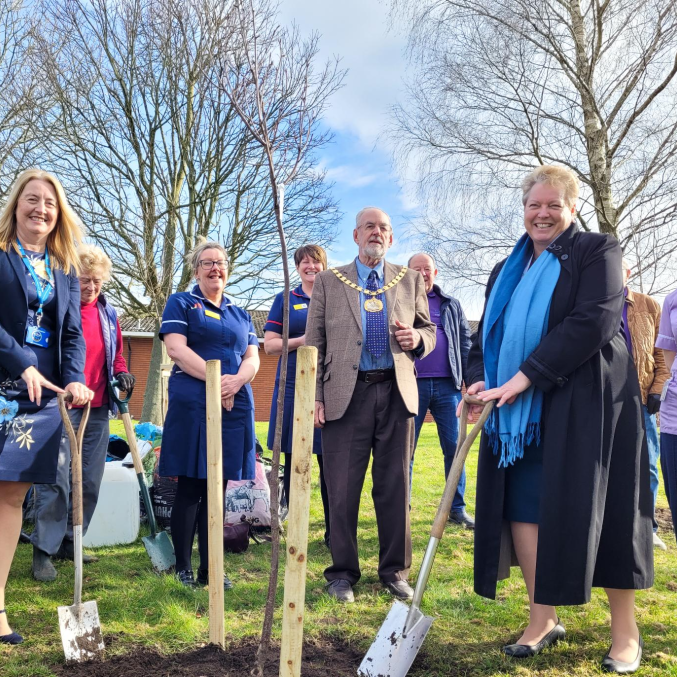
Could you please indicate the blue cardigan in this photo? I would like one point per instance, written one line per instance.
(15, 357)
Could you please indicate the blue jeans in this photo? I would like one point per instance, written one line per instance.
(654, 453)
(441, 397)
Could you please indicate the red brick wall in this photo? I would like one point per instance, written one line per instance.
(136, 350)
(263, 385)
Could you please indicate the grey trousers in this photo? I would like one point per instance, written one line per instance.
(53, 517)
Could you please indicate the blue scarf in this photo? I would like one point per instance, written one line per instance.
(516, 319)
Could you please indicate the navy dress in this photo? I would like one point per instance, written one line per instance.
(298, 316)
(29, 442)
(215, 333)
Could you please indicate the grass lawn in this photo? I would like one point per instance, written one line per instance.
(140, 608)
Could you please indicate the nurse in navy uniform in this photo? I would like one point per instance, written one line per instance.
(309, 260)
(200, 325)
(42, 351)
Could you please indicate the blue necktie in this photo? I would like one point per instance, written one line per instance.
(377, 329)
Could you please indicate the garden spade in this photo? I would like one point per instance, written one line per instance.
(405, 627)
(158, 546)
(79, 624)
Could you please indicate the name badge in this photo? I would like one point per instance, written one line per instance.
(300, 306)
(209, 313)
(664, 392)
(36, 336)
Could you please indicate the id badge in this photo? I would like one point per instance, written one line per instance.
(666, 385)
(36, 336)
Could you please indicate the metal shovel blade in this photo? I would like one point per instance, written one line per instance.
(81, 631)
(391, 654)
(160, 550)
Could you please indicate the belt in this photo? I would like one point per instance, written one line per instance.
(376, 375)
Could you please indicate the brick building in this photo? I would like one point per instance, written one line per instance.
(137, 336)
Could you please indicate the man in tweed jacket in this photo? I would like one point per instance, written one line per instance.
(367, 398)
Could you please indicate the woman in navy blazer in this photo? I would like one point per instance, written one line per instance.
(42, 351)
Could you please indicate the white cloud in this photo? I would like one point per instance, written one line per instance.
(351, 176)
(357, 32)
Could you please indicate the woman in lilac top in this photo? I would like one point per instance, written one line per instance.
(667, 340)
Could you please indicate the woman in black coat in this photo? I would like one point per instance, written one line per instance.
(568, 497)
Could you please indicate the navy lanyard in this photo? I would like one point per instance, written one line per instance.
(43, 288)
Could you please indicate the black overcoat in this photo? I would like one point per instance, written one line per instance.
(595, 527)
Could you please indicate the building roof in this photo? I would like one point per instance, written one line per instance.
(259, 318)
(132, 324)
(146, 325)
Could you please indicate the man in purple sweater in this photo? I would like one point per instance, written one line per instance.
(440, 377)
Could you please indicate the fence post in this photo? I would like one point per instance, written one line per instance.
(299, 509)
(215, 502)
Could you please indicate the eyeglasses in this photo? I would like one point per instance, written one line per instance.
(208, 265)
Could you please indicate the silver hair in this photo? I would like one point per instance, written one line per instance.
(193, 256)
(626, 264)
(366, 209)
(430, 256)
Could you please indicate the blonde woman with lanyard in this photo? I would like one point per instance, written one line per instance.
(42, 351)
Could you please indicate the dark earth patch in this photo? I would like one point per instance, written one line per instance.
(321, 658)
(664, 519)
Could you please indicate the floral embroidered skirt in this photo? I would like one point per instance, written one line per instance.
(29, 436)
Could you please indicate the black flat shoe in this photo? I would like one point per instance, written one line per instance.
(185, 577)
(529, 650)
(619, 667)
(12, 638)
(203, 579)
(67, 551)
(399, 589)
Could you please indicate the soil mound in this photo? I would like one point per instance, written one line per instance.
(320, 659)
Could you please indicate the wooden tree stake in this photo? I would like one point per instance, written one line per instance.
(299, 509)
(215, 502)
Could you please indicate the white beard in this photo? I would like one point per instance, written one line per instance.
(375, 250)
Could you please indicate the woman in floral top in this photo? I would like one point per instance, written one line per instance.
(42, 351)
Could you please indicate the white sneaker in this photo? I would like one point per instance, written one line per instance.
(658, 543)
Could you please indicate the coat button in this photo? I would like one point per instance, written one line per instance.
(560, 381)
(359, 343)
(564, 257)
(354, 366)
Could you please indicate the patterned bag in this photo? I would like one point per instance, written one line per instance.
(249, 499)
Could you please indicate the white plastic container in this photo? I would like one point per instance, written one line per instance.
(117, 515)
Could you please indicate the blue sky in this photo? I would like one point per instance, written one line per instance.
(359, 159)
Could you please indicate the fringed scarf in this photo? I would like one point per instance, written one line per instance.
(516, 319)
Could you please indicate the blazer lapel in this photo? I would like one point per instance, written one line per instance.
(19, 269)
(62, 294)
(352, 295)
(390, 271)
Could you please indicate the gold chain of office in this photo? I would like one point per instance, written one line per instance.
(371, 305)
